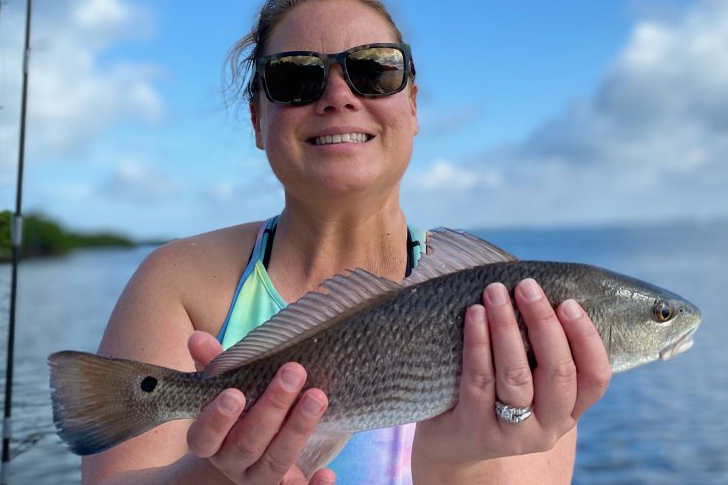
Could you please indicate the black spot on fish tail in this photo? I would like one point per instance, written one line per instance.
(149, 383)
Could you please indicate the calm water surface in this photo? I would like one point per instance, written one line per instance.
(664, 423)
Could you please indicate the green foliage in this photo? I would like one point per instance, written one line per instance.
(43, 237)
(5, 239)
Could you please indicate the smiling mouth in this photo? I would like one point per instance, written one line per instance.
(343, 138)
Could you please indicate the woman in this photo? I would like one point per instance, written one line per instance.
(340, 156)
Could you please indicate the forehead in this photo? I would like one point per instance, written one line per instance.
(329, 26)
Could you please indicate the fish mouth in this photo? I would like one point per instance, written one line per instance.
(683, 344)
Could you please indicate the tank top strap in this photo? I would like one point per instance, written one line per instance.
(418, 243)
(256, 255)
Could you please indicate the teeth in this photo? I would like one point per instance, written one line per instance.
(345, 138)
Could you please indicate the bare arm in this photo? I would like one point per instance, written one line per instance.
(151, 323)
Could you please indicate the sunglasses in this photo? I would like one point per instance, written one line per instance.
(370, 70)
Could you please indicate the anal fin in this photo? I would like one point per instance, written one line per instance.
(321, 448)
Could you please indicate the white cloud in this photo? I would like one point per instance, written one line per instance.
(100, 14)
(650, 144)
(442, 173)
(73, 97)
(141, 183)
(222, 191)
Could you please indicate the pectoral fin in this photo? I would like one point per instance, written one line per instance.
(321, 448)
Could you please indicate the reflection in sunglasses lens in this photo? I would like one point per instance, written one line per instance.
(300, 79)
(294, 78)
(378, 70)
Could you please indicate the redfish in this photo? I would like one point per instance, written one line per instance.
(385, 353)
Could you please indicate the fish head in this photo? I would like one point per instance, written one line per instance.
(640, 322)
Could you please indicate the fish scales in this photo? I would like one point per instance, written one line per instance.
(400, 361)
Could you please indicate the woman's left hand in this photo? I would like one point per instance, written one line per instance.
(573, 373)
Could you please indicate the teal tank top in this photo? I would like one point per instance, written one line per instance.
(380, 456)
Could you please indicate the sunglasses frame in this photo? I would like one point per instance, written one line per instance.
(340, 59)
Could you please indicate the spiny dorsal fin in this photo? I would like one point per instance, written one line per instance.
(449, 251)
(312, 313)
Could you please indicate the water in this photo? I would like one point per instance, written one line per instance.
(661, 424)
(63, 303)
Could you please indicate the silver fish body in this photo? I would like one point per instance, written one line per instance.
(384, 354)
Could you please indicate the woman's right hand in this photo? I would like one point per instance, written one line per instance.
(262, 447)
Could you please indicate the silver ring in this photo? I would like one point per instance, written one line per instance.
(512, 414)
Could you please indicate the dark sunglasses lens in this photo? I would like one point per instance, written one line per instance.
(294, 79)
(377, 70)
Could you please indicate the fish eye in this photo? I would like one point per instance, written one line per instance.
(148, 384)
(663, 311)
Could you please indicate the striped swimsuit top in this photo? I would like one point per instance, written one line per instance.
(380, 456)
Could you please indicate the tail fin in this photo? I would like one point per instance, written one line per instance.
(100, 402)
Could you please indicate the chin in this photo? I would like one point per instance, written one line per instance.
(347, 179)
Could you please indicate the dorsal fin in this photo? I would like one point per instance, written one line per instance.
(449, 251)
(312, 313)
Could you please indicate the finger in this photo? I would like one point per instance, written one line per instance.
(323, 477)
(513, 382)
(555, 374)
(252, 435)
(207, 433)
(282, 452)
(477, 382)
(203, 348)
(593, 371)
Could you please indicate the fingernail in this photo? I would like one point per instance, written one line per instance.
(229, 403)
(497, 294)
(291, 379)
(530, 289)
(311, 406)
(572, 309)
(477, 312)
(210, 348)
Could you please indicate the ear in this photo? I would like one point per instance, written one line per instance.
(413, 107)
(255, 120)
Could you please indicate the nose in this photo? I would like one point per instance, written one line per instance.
(338, 96)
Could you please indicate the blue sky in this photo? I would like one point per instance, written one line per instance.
(564, 113)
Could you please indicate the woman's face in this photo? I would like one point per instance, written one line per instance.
(286, 132)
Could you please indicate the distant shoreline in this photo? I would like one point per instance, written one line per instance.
(43, 237)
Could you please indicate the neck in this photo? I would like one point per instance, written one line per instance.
(315, 243)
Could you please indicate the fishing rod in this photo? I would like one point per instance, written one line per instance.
(16, 231)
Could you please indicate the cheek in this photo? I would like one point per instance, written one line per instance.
(278, 144)
(399, 117)
(398, 134)
(272, 120)
(277, 131)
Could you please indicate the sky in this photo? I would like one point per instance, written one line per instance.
(532, 114)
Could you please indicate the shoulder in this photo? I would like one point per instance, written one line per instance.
(182, 286)
(203, 271)
(189, 262)
(199, 251)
